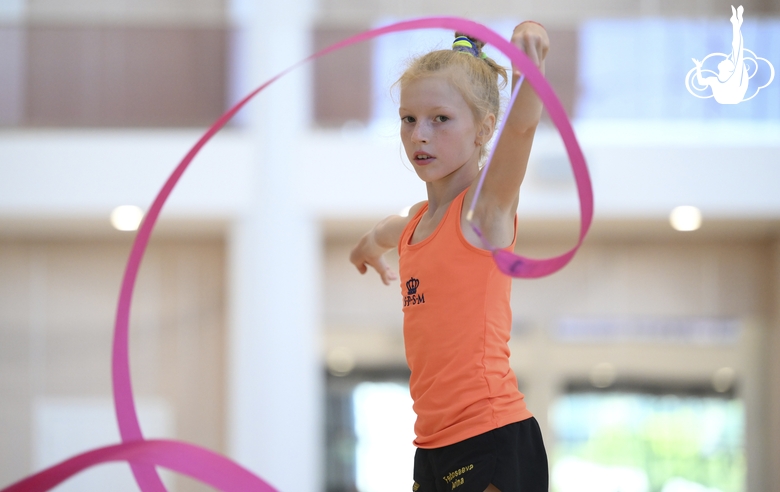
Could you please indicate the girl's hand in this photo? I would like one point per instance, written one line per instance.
(370, 250)
(532, 39)
(368, 253)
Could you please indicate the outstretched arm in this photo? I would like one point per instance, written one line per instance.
(497, 205)
(703, 81)
(384, 236)
(736, 35)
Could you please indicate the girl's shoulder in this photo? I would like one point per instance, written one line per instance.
(416, 209)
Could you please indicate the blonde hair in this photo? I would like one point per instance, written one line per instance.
(475, 77)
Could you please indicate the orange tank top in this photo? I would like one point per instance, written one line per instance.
(457, 322)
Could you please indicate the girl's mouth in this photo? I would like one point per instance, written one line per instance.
(422, 158)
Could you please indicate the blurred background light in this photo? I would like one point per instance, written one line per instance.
(340, 361)
(127, 217)
(602, 375)
(723, 379)
(685, 218)
(383, 426)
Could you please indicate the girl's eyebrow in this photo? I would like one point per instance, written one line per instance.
(436, 108)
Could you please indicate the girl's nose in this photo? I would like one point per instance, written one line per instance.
(420, 133)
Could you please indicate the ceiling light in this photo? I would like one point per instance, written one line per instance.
(127, 217)
(340, 361)
(602, 375)
(723, 379)
(685, 218)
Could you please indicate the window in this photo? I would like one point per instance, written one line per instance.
(640, 442)
(370, 428)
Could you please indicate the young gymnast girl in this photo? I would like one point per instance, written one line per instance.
(473, 431)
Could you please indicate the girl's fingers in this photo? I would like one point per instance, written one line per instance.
(383, 269)
(363, 256)
(532, 45)
(385, 277)
(388, 276)
(533, 54)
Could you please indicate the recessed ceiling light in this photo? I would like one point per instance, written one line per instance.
(127, 217)
(723, 379)
(340, 361)
(602, 375)
(685, 218)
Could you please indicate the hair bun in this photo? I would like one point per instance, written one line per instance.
(468, 44)
(474, 40)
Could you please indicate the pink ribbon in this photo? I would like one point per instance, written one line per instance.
(199, 463)
(207, 466)
(520, 266)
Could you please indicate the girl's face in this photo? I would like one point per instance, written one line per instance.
(438, 129)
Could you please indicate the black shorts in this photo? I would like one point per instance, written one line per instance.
(511, 457)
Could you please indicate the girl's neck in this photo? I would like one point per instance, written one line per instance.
(442, 191)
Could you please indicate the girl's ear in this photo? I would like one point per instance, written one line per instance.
(486, 129)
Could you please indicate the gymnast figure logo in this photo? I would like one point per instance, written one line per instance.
(730, 84)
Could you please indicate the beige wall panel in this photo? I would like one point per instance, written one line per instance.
(650, 279)
(187, 12)
(63, 76)
(57, 302)
(77, 363)
(174, 76)
(96, 76)
(15, 444)
(192, 338)
(19, 378)
(12, 75)
(351, 300)
(743, 279)
(78, 294)
(15, 372)
(15, 287)
(342, 88)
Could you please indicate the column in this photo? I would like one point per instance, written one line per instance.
(275, 385)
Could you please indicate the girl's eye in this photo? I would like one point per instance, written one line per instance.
(408, 119)
(441, 118)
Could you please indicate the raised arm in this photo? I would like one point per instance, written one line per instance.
(384, 236)
(736, 35)
(497, 205)
(737, 43)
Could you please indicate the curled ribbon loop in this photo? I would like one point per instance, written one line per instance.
(207, 466)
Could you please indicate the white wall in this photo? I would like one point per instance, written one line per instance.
(639, 171)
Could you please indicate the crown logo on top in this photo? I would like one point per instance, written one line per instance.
(411, 286)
